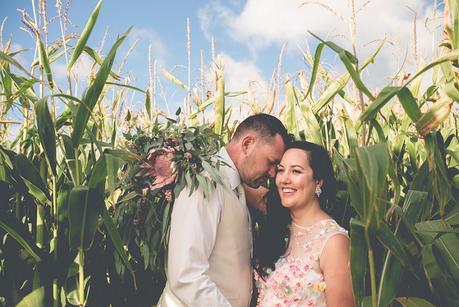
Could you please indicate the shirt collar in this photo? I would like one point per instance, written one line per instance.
(230, 169)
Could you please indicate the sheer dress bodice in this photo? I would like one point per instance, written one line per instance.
(297, 279)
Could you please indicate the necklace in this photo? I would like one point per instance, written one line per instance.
(309, 227)
(299, 226)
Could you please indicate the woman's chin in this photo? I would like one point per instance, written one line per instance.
(287, 204)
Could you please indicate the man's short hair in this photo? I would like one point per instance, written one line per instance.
(265, 125)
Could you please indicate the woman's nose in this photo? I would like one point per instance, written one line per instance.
(284, 177)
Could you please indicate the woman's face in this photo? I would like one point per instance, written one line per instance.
(295, 179)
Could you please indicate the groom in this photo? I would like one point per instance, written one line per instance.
(210, 242)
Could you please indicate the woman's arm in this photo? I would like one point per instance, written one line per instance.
(335, 265)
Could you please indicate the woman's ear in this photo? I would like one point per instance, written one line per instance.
(320, 183)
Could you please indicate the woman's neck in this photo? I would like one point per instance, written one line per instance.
(308, 215)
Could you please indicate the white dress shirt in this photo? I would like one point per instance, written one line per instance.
(210, 246)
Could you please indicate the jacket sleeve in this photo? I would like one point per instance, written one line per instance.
(194, 224)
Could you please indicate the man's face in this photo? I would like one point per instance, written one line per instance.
(260, 158)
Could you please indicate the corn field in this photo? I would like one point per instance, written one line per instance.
(65, 241)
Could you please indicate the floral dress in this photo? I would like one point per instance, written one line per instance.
(297, 279)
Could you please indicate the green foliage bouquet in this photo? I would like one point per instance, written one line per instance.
(159, 165)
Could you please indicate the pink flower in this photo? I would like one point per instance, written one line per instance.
(187, 155)
(158, 165)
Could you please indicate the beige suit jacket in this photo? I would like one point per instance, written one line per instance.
(210, 246)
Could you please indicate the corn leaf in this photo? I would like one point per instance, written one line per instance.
(414, 302)
(93, 93)
(220, 104)
(290, 116)
(46, 132)
(358, 262)
(409, 103)
(93, 54)
(19, 232)
(381, 99)
(9, 59)
(84, 36)
(315, 67)
(44, 62)
(117, 242)
(36, 298)
(172, 78)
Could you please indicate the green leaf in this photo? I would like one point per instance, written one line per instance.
(31, 178)
(390, 241)
(372, 165)
(148, 103)
(409, 104)
(358, 259)
(84, 35)
(172, 78)
(452, 56)
(85, 205)
(36, 298)
(220, 104)
(9, 59)
(447, 244)
(332, 89)
(315, 67)
(117, 242)
(290, 117)
(93, 54)
(37, 192)
(46, 132)
(413, 302)
(93, 93)
(442, 288)
(391, 278)
(19, 233)
(312, 130)
(381, 99)
(438, 171)
(337, 49)
(113, 166)
(44, 62)
(349, 60)
(76, 207)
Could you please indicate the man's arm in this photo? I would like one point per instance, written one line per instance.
(194, 224)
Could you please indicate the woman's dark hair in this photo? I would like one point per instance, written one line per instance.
(272, 240)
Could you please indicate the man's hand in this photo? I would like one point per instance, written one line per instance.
(256, 198)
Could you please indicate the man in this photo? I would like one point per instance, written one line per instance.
(210, 241)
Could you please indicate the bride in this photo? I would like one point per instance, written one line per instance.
(302, 254)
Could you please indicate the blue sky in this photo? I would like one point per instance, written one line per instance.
(249, 36)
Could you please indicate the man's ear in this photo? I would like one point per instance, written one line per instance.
(247, 143)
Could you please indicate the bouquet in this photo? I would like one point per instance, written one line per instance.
(158, 166)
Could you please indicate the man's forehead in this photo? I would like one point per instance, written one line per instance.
(277, 147)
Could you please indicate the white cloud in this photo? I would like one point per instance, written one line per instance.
(263, 23)
(148, 37)
(238, 73)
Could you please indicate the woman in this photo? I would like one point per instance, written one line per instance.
(302, 254)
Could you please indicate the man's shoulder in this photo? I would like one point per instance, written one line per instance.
(206, 190)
